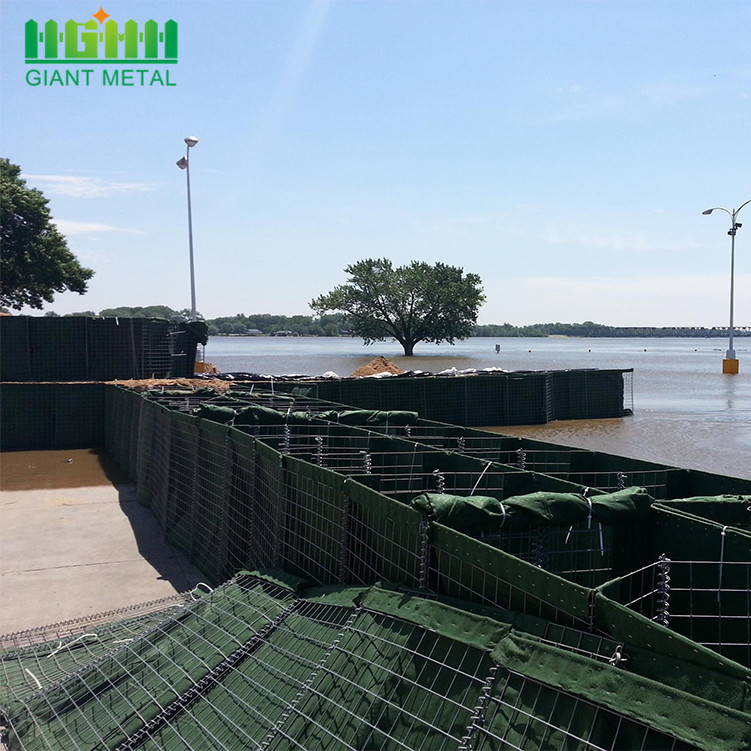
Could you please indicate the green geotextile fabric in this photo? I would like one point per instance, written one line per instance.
(262, 660)
(657, 650)
(254, 414)
(693, 720)
(104, 703)
(481, 573)
(731, 510)
(369, 417)
(476, 514)
(682, 536)
(26, 670)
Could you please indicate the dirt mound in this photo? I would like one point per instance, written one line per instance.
(187, 384)
(377, 365)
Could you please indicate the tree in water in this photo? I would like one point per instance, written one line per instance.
(414, 303)
(35, 261)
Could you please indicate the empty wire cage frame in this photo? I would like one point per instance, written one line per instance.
(707, 601)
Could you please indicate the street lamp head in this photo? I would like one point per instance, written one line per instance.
(708, 211)
(182, 163)
(191, 141)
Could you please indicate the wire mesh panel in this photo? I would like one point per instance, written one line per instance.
(241, 502)
(267, 531)
(113, 699)
(210, 507)
(523, 713)
(154, 463)
(707, 601)
(478, 573)
(387, 539)
(581, 552)
(35, 659)
(269, 664)
(727, 510)
(180, 517)
(317, 521)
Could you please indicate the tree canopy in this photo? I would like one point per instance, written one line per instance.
(35, 261)
(415, 303)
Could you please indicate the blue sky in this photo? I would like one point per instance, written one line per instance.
(563, 151)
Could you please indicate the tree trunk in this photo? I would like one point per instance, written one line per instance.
(408, 348)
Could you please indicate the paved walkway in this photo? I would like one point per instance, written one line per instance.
(68, 552)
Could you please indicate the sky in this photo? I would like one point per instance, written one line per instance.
(562, 150)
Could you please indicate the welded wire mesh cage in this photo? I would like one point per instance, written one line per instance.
(81, 348)
(263, 663)
(707, 601)
(531, 651)
(582, 552)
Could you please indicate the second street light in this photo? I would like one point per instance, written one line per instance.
(184, 163)
(730, 363)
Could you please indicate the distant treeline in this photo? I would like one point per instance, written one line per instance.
(590, 329)
(265, 324)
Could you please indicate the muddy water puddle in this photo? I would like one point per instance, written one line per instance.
(77, 468)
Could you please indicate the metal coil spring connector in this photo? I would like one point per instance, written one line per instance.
(622, 477)
(367, 462)
(541, 549)
(477, 718)
(284, 446)
(423, 532)
(662, 590)
(521, 458)
(440, 481)
(319, 450)
(460, 444)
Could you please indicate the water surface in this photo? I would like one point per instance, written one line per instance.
(686, 411)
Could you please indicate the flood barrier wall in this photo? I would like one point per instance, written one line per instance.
(518, 398)
(232, 500)
(79, 348)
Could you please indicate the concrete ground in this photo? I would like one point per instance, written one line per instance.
(68, 551)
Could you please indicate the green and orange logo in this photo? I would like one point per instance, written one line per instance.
(100, 40)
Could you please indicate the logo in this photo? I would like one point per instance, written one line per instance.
(100, 41)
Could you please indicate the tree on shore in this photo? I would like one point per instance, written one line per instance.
(415, 303)
(35, 261)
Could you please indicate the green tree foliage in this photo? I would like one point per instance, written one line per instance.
(240, 324)
(35, 261)
(150, 311)
(415, 303)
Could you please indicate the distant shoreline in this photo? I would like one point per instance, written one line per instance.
(692, 334)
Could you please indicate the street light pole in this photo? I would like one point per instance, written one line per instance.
(184, 163)
(730, 363)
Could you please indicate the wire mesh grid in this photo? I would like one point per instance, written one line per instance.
(456, 575)
(590, 644)
(35, 659)
(655, 481)
(252, 665)
(581, 552)
(523, 713)
(316, 522)
(707, 601)
(115, 695)
(384, 546)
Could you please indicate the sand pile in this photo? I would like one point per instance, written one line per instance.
(378, 365)
(185, 384)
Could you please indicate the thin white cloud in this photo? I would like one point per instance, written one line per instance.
(70, 227)
(296, 65)
(84, 186)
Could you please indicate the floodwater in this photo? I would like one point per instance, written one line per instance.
(36, 470)
(687, 413)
